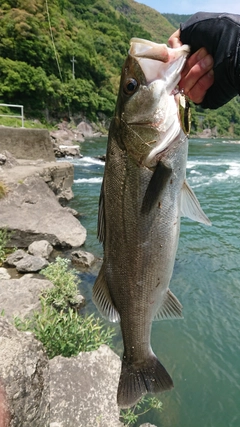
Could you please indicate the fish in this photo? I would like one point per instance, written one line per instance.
(144, 193)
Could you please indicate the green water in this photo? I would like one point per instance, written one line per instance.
(202, 351)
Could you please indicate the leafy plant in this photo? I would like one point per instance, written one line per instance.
(130, 416)
(58, 325)
(65, 332)
(64, 293)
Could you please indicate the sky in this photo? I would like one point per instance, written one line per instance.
(188, 7)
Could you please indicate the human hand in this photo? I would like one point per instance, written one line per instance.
(217, 35)
(197, 75)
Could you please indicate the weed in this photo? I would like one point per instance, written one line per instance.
(3, 189)
(131, 415)
(64, 292)
(59, 326)
(4, 237)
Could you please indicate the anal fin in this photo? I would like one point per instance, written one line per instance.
(170, 309)
(102, 298)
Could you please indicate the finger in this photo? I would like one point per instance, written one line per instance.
(195, 73)
(193, 60)
(174, 40)
(198, 91)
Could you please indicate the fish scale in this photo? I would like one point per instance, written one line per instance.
(143, 191)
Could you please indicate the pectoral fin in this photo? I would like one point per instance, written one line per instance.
(102, 298)
(157, 183)
(190, 206)
(170, 309)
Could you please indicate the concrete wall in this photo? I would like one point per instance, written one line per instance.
(31, 144)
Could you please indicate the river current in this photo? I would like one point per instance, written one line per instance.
(202, 351)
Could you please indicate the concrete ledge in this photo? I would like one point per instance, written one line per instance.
(30, 144)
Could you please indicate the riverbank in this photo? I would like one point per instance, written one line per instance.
(33, 208)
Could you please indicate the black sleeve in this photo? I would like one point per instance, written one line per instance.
(220, 35)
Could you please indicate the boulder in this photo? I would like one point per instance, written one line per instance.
(15, 257)
(7, 159)
(40, 248)
(24, 377)
(32, 212)
(31, 264)
(83, 389)
(58, 175)
(147, 425)
(3, 159)
(20, 297)
(85, 129)
(69, 151)
(64, 141)
(4, 275)
(82, 258)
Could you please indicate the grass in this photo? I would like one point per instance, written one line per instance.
(58, 325)
(4, 237)
(130, 416)
(3, 189)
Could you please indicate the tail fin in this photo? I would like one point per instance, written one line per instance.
(136, 380)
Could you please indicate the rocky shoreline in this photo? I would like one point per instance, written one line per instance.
(35, 391)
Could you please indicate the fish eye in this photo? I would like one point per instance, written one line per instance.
(130, 86)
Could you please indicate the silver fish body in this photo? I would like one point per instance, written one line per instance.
(142, 195)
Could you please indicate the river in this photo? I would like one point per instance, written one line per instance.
(202, 351)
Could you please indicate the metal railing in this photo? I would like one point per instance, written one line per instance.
(15, 116)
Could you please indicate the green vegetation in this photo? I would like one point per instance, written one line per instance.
(64, 293)
(224, 121)
(63, 58)
(39, 40)
(4, 237)
(59, 326)
(175, 19)
(130, 416)
(3, 189)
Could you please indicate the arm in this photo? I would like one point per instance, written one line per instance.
(214, 40)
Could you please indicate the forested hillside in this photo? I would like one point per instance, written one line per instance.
(39, 40)
(64, 57)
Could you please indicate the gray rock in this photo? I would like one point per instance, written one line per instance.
(72, 211)
(20, 297)
(82, 258)
(85, 129)
(40, 248)
(7, 159)
(31, 264)
(24, 375)
(4, 410)
(3, 159)
(83, 389)
(15, 257)
(147, 425)
(71, 151)
(79, 302)
(4, 274)
(32, 212)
